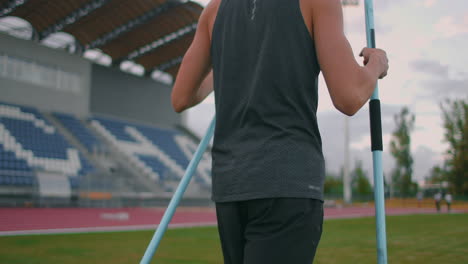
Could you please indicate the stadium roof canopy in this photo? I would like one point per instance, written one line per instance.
(152, 33)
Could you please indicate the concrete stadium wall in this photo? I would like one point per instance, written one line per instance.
(123, 95)
(42, 97)
(102, 90)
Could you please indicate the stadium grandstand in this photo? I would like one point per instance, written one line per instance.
(85, 114)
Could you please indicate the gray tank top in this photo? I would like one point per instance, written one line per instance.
(267, 143)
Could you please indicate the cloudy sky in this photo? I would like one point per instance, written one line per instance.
(426, 41)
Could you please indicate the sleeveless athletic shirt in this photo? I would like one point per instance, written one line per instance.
(267, 143)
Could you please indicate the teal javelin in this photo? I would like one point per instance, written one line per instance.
(191, 168)
(376, 145)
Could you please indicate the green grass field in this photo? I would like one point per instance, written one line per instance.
(412, 239)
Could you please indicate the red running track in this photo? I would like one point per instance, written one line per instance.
(15, 221)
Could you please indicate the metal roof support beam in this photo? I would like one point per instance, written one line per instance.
(162, 41)
(132, 24)
(73, 17)
(178, 1)
(169, 64)
(34, 35)
(192, 9)
(79, 49)
(10, 6)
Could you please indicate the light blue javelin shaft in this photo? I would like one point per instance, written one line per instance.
(379, 208)
(191, 168)
(377, 152)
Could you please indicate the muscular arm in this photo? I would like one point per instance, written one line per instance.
(194, 81)
(350, 85)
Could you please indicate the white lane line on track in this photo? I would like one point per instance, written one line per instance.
(99, 229)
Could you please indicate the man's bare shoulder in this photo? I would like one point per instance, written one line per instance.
(208, 15)
(318, 5)
(212, 8)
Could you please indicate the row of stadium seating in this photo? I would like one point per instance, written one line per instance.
(139, 148)
(17, 180)
(8, 161)
(81, 132)
(29, 142)
(156, 151)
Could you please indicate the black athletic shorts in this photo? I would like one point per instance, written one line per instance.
(270, 231)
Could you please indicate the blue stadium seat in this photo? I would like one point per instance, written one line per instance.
(28, 141)
(147, 146)
(74, 182)
(155, 165)
(164, 139)
(6, 179)
(81, 132)
(117, 128)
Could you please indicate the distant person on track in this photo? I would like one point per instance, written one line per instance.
(448, 200)
(419, 197)
(262, 58)
(437, 199)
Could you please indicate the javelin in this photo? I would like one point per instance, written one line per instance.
(376, 145)
(191, 168)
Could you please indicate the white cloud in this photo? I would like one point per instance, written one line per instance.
(209, 100)
(424, 160)
(448, 27)
(203, 2)
(199, 118)
(429, 3)
(430, 67)
(439, 80)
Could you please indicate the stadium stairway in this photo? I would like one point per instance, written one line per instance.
(98, 181)
(157, 155)
(139, 181)
(112, 176)
(72, 139)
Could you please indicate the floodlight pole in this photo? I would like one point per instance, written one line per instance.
(377, 147)
(169, 213)
(347, 192)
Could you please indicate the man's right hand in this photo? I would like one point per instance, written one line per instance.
(378, 59)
